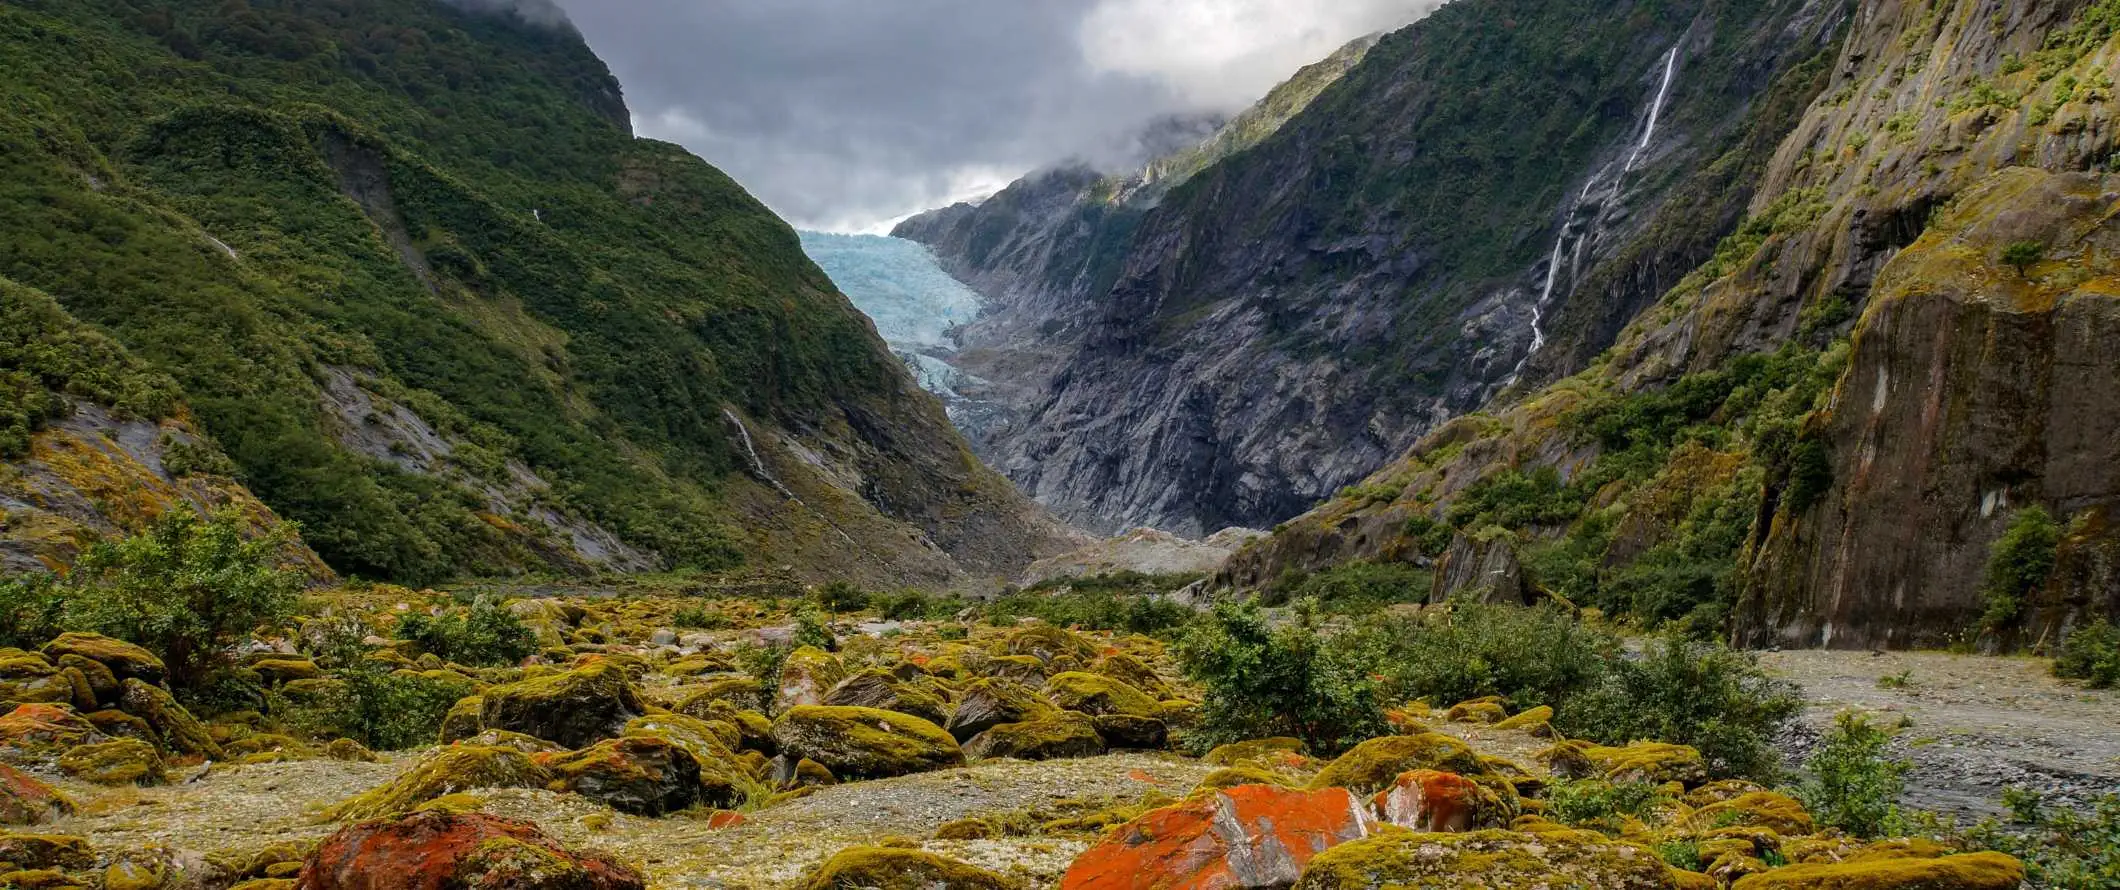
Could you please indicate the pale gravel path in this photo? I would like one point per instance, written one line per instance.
(1978, 724)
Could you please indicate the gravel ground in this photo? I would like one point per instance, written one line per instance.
(1974, 725)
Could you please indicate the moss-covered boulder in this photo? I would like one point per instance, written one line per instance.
(278, 671)
(28, 678)
(877, 688)
(125, 660)
(465, 719)
(1098, 694)
(179, 731)
(446, 770)
(38, 851)
(26, 801)
(1479, 710)
(1492, 860)
(1255, 751)
(987, 703)
(806, 676)
(1067, 735)
(1537, 721)
(1651, 762)
(1234, 776)
(723, 778)
(1133, 672)
(896, 868)
(1130, 733)
(1428, 800)
(864, 743)
(437, 850)
(641, 775)
(574, 708)
(103, 683)
(116, 762)
(1969, 871)
(1247, 836)
(1026, 669)
(1046, 642)
(1770, 810)
(741, 691)
(42, 730)
(1374, 765)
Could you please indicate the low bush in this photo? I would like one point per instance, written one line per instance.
(1261, 682)
(382, 708)
(1600, 805)
(2091, 654)
(484, 634)
(1690, 693)
(2062, 848)
(1852, 785)
(1094, 608)
(2018, 564)
(1354, 588)
(841, 597)
(1529, 656)
(699, 618)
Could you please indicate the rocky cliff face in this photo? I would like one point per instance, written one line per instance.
(1281, 323)
(1816, 438)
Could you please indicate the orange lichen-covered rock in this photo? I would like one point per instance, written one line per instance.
(1428, 800)
(1248, 836)
(437, 850)
(44, 728)
(26, 801)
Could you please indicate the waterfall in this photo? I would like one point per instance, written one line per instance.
(758, 467)
(1561, 239)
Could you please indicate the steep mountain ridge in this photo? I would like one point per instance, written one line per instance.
(1284, 321)
(1817, 437)
(414, 276)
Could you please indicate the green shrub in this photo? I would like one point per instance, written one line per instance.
(2018, 565)
(1095, 607)
(1853, 785)
(1261, 682)
(913, 605)
(699, 618)
(813, 629)
(382, 708)
(1690, 693)
(2023, 255)
(763, 662)
(484, 634)
(182, 589)
(1354, 587)
(1599, 804)
(1531, 657)
(2062, 848)
(2091, 654)
(841, 597)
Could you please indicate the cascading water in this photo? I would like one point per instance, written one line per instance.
(1562, 238)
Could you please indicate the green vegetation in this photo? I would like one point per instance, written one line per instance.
(2062, 848)
(372, 703)
(1129, 601)
(2023, 255)
(840, 597)
(483, 634)
(1601, 805)
(1530, 657)
(257, 200)
(182, 590)
(1853, 785)
(1355, 588)
(1690, 693)
(2091, 654)
(2018, 565)
(1262, 682)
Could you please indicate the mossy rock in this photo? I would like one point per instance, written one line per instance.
(865, 743)
(1133, 672)
(501, 738)
(465, 719)
(1770, 810)
(1095, 694)
(1235, 776)
(641, 775)
(26, 801)
(741, 691)
(1253, 751)
(1530, 720)
(116, 762)
(1066, 735)
(1374, 765)
(102, 681)
(893, 868)
(445, 770)
(1046, 642)
(178, 729)
(806, 676)
(1017, 668)
(698, 665)
(1968, 871)
(40, 730)
(1491, 860)
(278, 671)
(1477, 711)
(987, 703)
(877, 688)
(723, 777)
(348, 751)
(1653, 762)
(1128, 732)
(37, 851)
(125, 660)
(574, 709)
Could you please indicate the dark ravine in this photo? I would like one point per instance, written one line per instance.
(1286, 320)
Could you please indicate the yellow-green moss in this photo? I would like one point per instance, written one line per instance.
(1530, 718)
(1098, 694)
(1488, 860)
(1233, 776)
(865, 743)
(116, 762)
(1256, 750)
(1067, 734)
(1373, 765)
(446, 770)
(893, 868)
(1970, 871)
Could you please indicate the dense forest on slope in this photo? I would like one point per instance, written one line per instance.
(417, 279)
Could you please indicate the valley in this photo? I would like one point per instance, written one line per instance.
(1663, 444)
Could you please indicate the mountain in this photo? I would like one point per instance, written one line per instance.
(1882, 414)
(1474, 201)
(400, 270)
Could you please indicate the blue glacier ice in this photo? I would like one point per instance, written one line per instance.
(916, 306)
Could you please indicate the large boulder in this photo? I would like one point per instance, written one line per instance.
(44, 729)
(806, 676)
(26, 801)
(1651, 762)
(988, 703)
(641, 775)
(116, 762)
(442, 771)
(1096, 694)
(864, 743)
(574, 708)
(437, 850)
(178, 730)
(1046, 642)
(1248, 836)
(723, 778)
(1067, 735)
(741, 691)
(125, 660)
(895, 868)
(1427, 800)
(26, 678)
(1493, 860)
(1125, 731)
(1374, 765)
(1888, 867)
(877, 688)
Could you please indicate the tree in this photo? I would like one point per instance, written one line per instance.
(2023, 255)
(1291, 681)
(2018, 565)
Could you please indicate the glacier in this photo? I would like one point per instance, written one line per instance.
(917, 307)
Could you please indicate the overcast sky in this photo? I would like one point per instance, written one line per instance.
(846, 114)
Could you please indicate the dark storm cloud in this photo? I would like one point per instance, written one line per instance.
(845, 113)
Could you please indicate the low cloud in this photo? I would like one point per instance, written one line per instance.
(536, 12)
